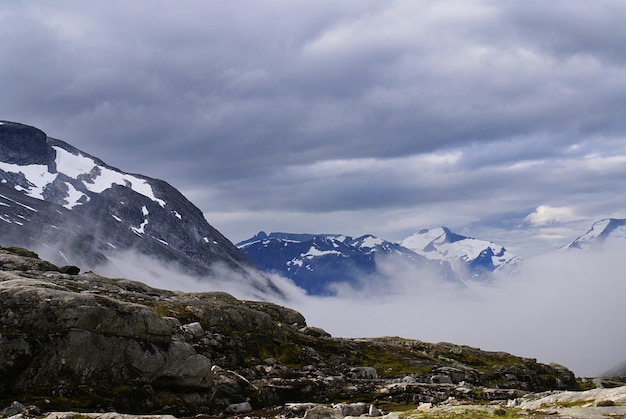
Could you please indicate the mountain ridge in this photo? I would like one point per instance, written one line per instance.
(607, 231)
(320, 262)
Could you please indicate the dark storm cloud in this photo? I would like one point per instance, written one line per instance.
(319, 108)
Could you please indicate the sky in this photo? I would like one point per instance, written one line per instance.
(503, 121)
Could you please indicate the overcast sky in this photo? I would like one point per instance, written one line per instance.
(501, 120)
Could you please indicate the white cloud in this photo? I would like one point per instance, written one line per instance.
(564, 307)
(545, 214)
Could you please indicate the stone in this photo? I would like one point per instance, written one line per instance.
(365, 373)
(315, 331)
(322, 412)
(70, 270)
(440, 379)
(194, 329)
(351, 409)
(375, 411)
(243, 407)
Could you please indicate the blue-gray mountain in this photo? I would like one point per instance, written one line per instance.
(472, 258)
(75, 209)
(316, 262)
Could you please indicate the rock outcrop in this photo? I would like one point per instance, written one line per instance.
(83, 342)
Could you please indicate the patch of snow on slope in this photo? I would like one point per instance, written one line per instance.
(313, 252)
(371, 242)
(75, 165)
(74, 197)
(141, 229)
(36, 174)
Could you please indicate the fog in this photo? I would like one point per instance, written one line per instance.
(565, 307)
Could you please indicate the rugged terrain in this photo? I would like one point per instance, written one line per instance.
(83, 342)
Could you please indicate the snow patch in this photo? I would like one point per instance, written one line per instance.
(313, 252)
(97, 178)
(73, 197)
(141, 229)
(371, 242)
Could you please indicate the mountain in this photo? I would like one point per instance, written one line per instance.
(617, 371)
(604, 234)
(472, 258)
(316, 261)
(75, 209)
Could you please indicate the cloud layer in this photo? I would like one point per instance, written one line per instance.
(565, 307)
(356, 118)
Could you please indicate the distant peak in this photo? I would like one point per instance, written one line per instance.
(452, 237)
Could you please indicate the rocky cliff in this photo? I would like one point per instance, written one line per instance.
(72, 341)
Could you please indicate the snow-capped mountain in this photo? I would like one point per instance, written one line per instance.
(75, 209)
(316, 261)
(472, 258)
(604, 234)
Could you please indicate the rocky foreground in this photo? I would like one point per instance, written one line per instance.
(86, 343)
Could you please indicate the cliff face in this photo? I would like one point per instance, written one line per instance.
(86, 342)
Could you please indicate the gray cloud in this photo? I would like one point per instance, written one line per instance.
(318, 116)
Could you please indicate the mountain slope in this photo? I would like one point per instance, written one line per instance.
(471, 257)
(606, 233)
(75, 209)
(317, 261)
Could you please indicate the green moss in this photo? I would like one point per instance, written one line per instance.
(465, 412)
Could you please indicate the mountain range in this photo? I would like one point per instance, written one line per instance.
(74, 209)
(320, 262)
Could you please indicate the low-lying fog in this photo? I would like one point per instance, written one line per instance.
(567, 307)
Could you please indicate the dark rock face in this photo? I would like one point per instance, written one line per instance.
(24, 145)
(86, 342)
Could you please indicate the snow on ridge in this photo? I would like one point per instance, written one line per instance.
(371, 242)
(594, 233)
(100, 178)
(95, 178)
(433, 245)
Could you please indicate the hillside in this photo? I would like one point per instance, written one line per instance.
(86, 342)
